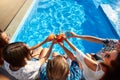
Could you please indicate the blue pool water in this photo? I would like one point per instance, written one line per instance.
(115, 4)
(56, 16)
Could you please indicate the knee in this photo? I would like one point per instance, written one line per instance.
(54, 54)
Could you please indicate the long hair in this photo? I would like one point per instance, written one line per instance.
(57, 69)
(113, 72)
(2, 41)
(15, 54)
(2, 44)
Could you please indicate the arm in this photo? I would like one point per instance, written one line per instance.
(91, 38)
(71, 45)
(38, 45)
(88, 38)
(69, 53)
(83, 58)
(42, 60)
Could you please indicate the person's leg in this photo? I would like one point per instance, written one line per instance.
(54, 54)
(37, 52)
(43, 52)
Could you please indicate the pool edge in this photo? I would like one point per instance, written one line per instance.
(13, 26)
(111, 23)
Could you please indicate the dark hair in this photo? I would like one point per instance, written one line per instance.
(2, 41)
(57, 69)
(113, 72)
(15, 54)
(2, 44)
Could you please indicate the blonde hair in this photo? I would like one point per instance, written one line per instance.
(57, 68)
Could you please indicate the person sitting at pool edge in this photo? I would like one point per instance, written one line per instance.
(109, 69)
(60, 68)
(109, 44)
(26, 69)
(38, 51)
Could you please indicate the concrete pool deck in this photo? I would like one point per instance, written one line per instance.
(12, 20)
(8, 9)
(18, 18)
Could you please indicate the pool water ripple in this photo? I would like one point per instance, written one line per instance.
(55, 16)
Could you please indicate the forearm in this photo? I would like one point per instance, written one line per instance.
(91, 38)
(38, 45)
(69, 53)
(71, 45)
(86, 60)
(49, 51)
(42, 60)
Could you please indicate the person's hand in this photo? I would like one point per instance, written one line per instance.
(60, 37)
(70, 34)
(50, 37)
(63, 36)
(54, 41)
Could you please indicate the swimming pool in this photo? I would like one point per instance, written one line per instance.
(56, 16)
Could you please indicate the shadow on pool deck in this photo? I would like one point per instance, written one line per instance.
(8, 10)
